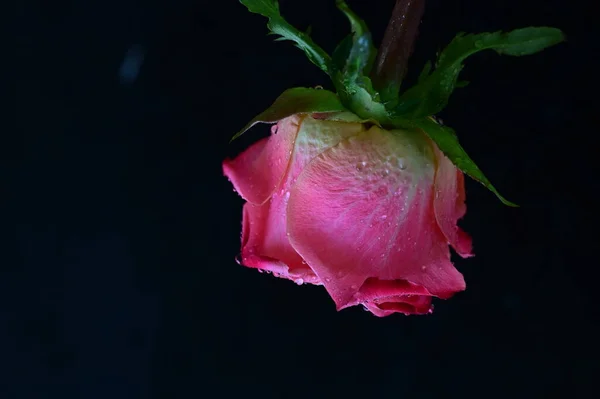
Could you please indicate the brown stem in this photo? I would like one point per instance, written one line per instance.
(397, 45)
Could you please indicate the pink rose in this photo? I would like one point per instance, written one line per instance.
(365, 212)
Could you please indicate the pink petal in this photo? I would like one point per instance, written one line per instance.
(265, 244)
(364, 209)
(450, 205)
(384, 297)
(314, 137)
(421, 304)
(256, 172)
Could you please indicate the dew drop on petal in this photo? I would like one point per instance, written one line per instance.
(299, 281)
(361, 165)
(401, 164)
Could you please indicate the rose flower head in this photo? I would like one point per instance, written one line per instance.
(360, 191)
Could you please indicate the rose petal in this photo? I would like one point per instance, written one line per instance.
(314, 137)
(450, 205)
(384, 297)
(364, 208)
(418, 304)
(258, 171)
(265, 245)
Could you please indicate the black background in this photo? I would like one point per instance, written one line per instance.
(119, 278)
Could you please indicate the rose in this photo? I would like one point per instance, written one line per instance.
(365, 212)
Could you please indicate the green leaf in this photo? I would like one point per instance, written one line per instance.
(299, 100)
(432, 92)
(358, 98)
(425, 72)
(447, 141)
(279, 26)
(352, 60)
(362, 53)
(341, 53)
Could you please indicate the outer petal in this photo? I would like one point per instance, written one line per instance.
(258, 171)
(314, 137)
(450, 205)
(384, 297)
(265, 243)
(364, 209)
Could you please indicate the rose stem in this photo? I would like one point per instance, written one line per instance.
(397, 45)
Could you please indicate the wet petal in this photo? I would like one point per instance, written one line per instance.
(450, 204)
(384, 297)
(258, 171)
(265, 245)
(364, 209)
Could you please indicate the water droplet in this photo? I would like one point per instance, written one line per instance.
(287, 195)
(238, 260)
(384, 217)
(361, 165)
(304, 262)
(366, 309)
(340, 273)
(299, 281)
(401, 164)
(353, 286)
(327, 279)
(423, 268)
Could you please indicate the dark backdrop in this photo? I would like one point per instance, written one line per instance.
(119, 278)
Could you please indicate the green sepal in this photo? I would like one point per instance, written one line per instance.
(358, 97)
(299, 100)
(431, 94)
(353, 59)
(361, 54)
(447, 142)
(341, 53)
(279, 26)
